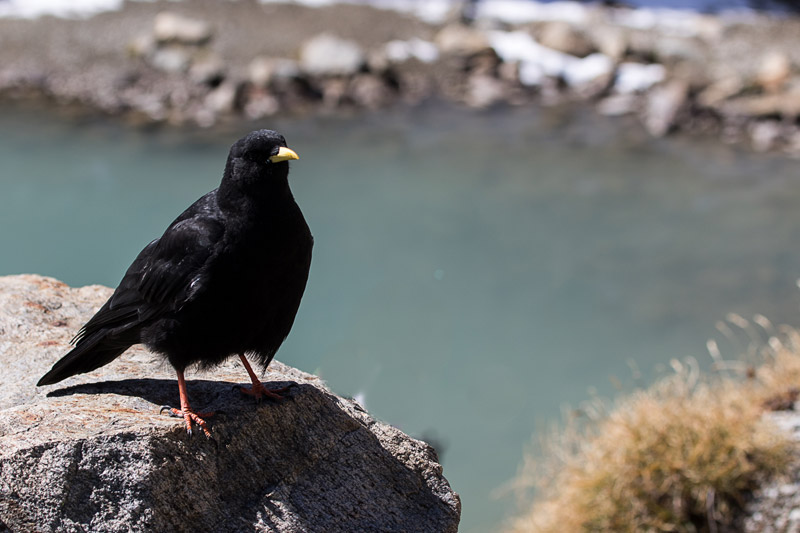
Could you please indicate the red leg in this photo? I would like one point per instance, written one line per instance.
(186, 410)
(258, 390)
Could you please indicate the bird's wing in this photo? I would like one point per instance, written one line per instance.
(172, 272)
(165, 275)
(162, 278)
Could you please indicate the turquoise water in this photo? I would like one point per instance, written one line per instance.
(473, 273)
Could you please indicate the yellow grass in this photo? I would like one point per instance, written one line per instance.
(679, 456)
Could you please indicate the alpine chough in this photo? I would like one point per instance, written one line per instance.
(225, 278)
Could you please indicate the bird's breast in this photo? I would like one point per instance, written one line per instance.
(267, 264)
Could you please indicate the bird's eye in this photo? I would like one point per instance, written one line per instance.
(254, 156)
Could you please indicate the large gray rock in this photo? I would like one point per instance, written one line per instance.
(93, 454)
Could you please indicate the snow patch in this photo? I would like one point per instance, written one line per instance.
(582, 71)
(436, 11)
(516, 12)
(636, 77)
(431, 11)
(537, 61)
(56, 8)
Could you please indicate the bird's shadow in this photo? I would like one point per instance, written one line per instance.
(203, 393)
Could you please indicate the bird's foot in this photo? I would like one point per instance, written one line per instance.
(190, 416)
(258, 391)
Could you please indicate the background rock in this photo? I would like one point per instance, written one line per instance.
(263, 71)
(618, 104)
(765, 105)
(610, 41)
(764, 134)
(460, 39)
(369, 91)
(207, 70)
(398, 51)
(93, 454)
(172, 27)
(663, 104)
(565, 38)
(774, 71)
(484, 91)
(775, 507)
(328, 55)
(171, 59)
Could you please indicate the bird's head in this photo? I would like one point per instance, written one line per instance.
(262, 147)
(257, 163)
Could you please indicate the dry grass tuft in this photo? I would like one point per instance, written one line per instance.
(679, 456)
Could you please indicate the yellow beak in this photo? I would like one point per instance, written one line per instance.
(284, 154)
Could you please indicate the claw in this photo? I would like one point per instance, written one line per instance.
(186, 412)
(171, 411)
(190, 417)
(259, 391)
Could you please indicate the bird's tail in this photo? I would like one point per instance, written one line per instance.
(91, 353)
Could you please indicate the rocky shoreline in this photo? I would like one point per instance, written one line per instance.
(199, 61)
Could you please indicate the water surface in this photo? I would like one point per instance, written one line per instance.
(473, 273)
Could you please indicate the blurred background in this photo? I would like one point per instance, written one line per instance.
(517, 205)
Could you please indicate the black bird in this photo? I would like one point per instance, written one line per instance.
(225, 278)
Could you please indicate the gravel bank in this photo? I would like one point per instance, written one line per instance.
(203, 61)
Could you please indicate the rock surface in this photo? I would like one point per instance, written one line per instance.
(775, 507)
(93, 454)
